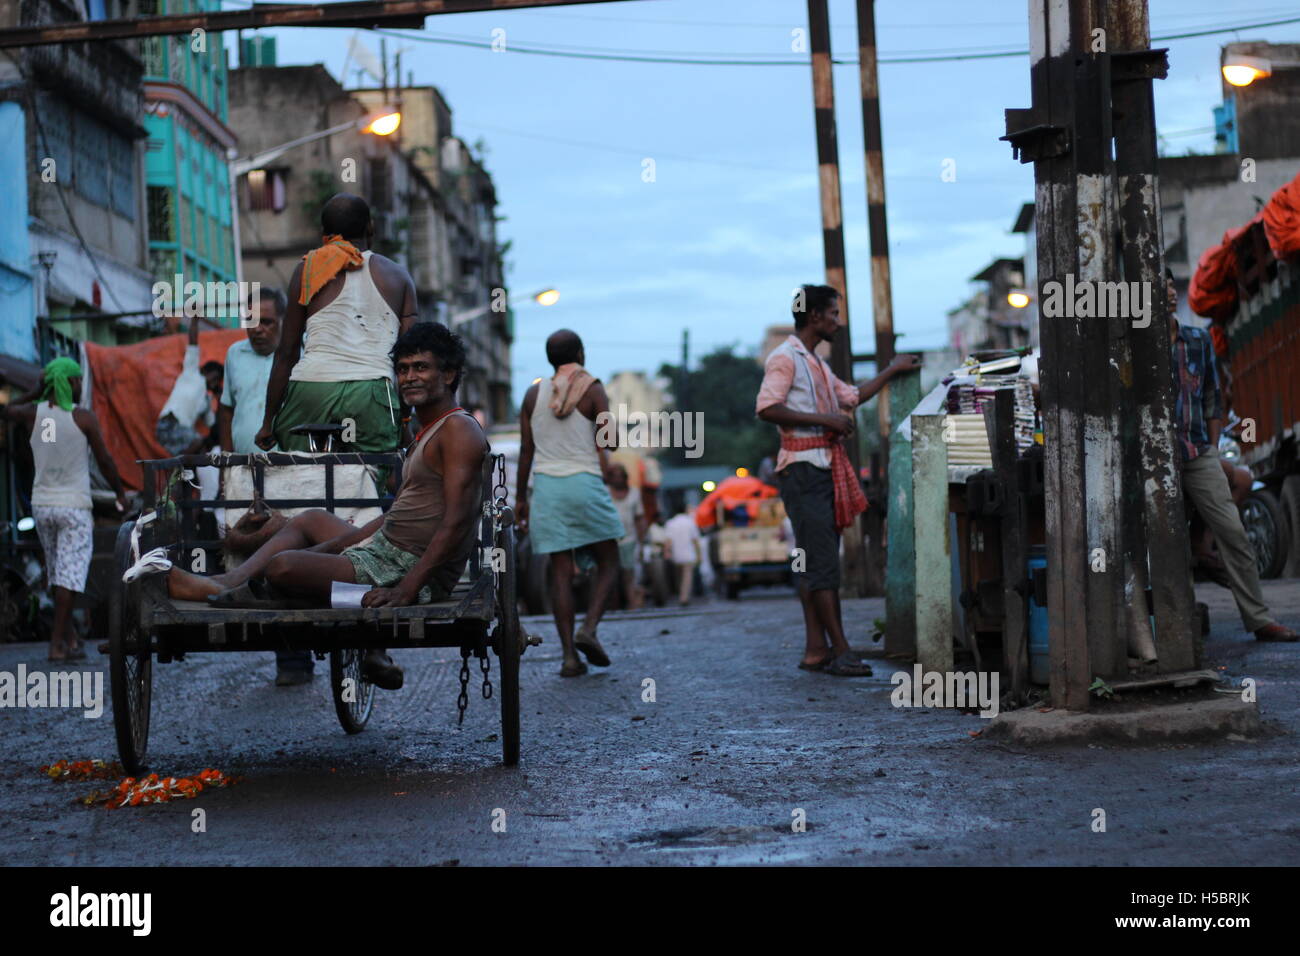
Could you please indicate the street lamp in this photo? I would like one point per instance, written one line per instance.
(1018, 298)
(385, 125)
(381, 123)
(1245, 70)
(1241, 69)
(543, 297)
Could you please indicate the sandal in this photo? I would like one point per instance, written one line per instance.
(848, 665)
(817, 666)
(591, 648)
(379, 669)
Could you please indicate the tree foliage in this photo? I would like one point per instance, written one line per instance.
(723, 386)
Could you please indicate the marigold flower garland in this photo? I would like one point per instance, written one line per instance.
(135, 792)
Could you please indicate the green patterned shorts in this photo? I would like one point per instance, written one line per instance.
(381, 563)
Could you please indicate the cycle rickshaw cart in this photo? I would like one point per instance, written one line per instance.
(480, 615)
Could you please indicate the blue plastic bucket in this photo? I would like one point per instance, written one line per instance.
(1039, 658)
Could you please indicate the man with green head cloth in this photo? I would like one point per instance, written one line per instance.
(62, 438)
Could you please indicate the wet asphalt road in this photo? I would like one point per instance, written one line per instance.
(712, 772)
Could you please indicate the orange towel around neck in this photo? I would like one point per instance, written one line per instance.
(321, 265)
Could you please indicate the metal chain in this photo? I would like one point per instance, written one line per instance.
(463, 700)
(499, 491)
(485, 664)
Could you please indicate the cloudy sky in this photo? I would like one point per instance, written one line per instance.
(731, 224)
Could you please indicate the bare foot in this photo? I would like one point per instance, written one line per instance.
(185, 586)
(816, 663)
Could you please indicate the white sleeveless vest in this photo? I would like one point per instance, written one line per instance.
(349, 339)
(62, 458)
(565, 446)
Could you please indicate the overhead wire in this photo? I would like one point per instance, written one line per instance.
(951, 54)
(724, 59)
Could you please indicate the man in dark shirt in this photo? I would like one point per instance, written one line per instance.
(1198, 419)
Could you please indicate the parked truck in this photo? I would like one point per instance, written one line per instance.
(752, 551)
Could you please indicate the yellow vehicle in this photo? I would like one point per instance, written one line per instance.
(751, 545)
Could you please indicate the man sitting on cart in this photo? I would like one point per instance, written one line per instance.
(412, 555)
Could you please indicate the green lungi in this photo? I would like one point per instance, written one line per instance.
(372, 406)
(380, 562)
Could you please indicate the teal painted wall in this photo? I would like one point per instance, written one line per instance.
(17, 307)
(189, 196)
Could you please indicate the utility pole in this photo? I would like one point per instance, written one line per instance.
(828, 160)
(1154, 466)
(683, 376)
(882, 303)
(1093, 389)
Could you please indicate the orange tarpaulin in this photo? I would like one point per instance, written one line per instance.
(131, 383)
(1282, 220)
(1212, 293)
(733, 491)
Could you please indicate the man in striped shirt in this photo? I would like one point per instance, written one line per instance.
(1198, 419)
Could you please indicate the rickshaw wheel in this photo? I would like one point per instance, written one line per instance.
(130, 666)
(345, 675)
(506, 639)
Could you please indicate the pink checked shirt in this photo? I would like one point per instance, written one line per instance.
(803, 382)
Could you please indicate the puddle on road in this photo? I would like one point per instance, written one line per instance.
(740, 844)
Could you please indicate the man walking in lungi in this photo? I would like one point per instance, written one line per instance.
(822, 496)
(571, 516)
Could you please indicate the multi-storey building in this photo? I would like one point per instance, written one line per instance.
(75, 240)
(454, 255)
(189, 147)
(433, 202)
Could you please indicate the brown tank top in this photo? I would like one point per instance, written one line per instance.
(419, 508)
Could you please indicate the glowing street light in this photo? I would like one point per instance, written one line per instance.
(385, 124)
(547, 297)
(1018, 298)
(1245, 70)
(708, 486)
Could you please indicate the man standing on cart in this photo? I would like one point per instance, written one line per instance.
(349, 305)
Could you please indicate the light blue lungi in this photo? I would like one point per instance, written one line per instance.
(571, 512)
